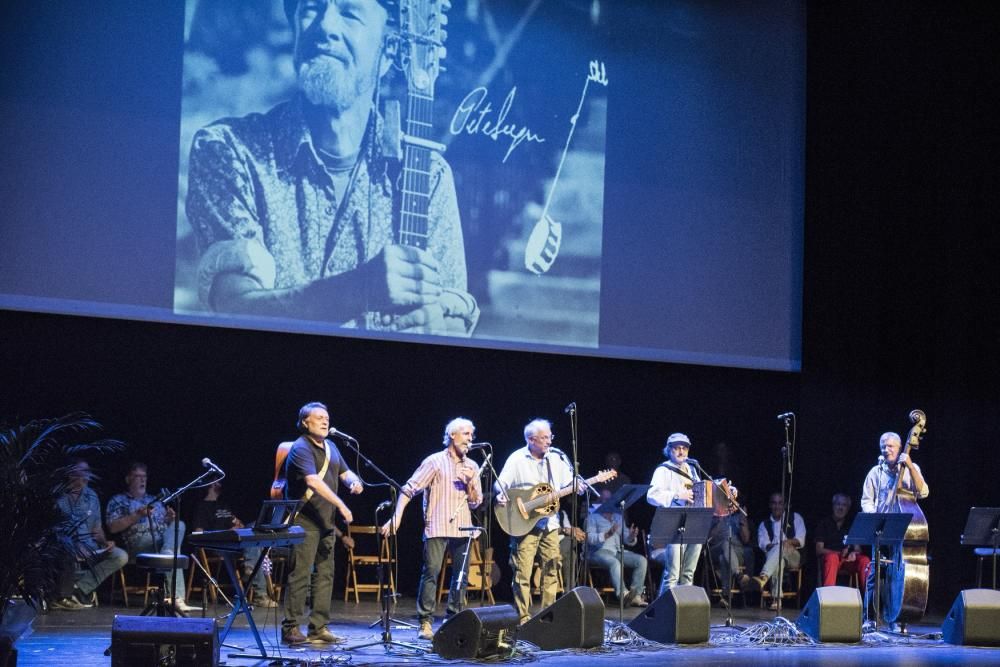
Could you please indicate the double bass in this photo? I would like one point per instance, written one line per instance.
(904, 597)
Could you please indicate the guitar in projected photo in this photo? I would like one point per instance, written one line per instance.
(546, 236)
(418, 53)
(524, 507)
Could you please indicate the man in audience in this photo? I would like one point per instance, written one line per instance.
(98, 556)
(147, 526)
(778, 537)
(833, 555)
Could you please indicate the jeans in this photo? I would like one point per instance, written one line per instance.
(434, 550)
(680, 562)
(316, 551)
(635, 562)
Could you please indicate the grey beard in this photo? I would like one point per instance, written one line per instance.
(327, 82)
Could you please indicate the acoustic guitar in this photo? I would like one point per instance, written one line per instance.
(280, 482)
(524, 507)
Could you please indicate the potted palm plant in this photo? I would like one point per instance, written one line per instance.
(34, 472)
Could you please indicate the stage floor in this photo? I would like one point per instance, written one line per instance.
(79, 638)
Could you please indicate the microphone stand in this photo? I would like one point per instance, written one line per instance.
(176, 495)
(574, 502)
(486, 569)
(388, 595)
(730, 622)
(787, 461)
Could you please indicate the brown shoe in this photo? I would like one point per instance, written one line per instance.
(426, 630)
(323, 636)
(293, 637)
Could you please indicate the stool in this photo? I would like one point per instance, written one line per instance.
(160, 565)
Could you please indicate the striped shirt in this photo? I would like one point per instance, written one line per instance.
(448, 500)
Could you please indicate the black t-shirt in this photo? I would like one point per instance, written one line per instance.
(830, 535)
(212, 515)
(305, 458)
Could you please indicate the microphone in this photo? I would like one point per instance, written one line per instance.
(385, 504)
(570, 408)
(207, 462)
(334, 432)
(479, 445)
(786, 415)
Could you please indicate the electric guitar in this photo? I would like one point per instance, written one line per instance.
(524, 507)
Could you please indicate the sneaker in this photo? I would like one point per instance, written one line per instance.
(323, 636)
(760, 581)
(182, 606)
(264, 602)
(774, 606)
(292, 636)
(66, 604)
(85, 599)
(743, 582)
(627, 600)
(426, 630)
(638, 601)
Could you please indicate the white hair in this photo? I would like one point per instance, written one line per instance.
(455, 424)
(534, 426)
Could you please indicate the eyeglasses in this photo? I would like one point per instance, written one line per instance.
(543, 438)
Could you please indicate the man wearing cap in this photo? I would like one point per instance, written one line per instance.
(293, 209)
(671, 487)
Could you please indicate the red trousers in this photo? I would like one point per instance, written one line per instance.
(831, 564)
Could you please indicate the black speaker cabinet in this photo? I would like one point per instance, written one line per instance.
(150, 640)
(974, 619)
(478, 633)
(576, 620)
(832, 614)
(679, 616)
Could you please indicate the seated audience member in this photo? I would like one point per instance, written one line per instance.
(94, 557)
(833, 555)
(212, 514)
(726, 545)
(146, 526)
(604, 540)
(570, 539)
(769, 537)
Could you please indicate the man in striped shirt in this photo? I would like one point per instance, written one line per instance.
(450, 482)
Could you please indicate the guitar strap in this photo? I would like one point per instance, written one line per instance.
(679, 471)
(322, 472)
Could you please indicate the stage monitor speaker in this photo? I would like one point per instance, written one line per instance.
(479, 633)
(575, 620)
(832, 614)
(679, 616)
(974, 619)
(152, 640)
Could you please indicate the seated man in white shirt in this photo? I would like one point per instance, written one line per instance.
(775, 534)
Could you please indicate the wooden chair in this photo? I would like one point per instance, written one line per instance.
(603, 576)
(129, 571)
(483, 573)
(793, 575)
(358, 557)
(213, 565)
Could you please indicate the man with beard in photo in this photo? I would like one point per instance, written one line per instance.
(293, 209)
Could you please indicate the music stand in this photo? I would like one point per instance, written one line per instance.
(878, 529)
(982, 529)
(620, 500)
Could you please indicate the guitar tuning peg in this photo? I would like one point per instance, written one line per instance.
(442, 36)
(442, 52)
(443, 19)
(445, 5)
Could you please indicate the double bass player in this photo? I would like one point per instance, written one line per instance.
(892, 486)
